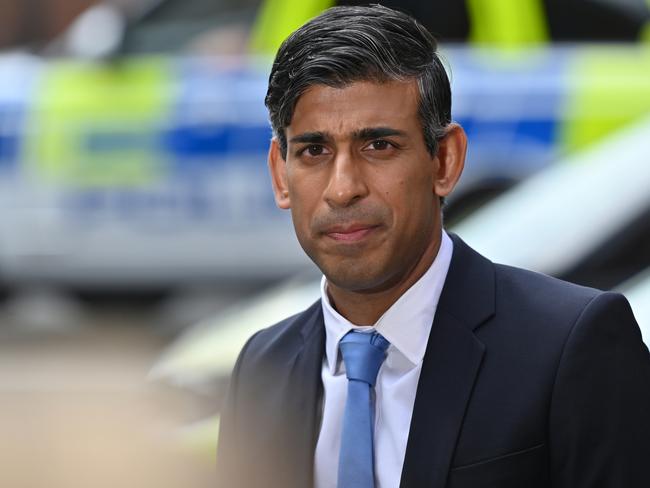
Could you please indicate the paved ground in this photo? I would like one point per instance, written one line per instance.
(76, 409)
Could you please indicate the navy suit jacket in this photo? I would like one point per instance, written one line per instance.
(527, 381)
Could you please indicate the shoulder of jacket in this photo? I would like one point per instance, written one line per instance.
(547, 289)
(280, 336)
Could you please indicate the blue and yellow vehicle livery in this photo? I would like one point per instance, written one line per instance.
(149, 170)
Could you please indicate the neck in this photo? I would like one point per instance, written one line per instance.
(365, 308)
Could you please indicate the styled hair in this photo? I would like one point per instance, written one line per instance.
(348, 44)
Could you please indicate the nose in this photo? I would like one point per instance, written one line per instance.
(346, 183)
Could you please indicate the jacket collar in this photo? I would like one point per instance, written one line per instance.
(450, 367)
(303, 400)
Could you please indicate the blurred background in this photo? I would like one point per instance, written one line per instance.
(139, 242)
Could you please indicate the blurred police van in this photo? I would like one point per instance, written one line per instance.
(133, 164)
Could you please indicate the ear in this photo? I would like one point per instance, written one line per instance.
(451, 159)
(278, 170)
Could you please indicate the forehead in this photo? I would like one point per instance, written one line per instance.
(356, 106)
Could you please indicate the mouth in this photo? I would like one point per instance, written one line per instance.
(350, 233)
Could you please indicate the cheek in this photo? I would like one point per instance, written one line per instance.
(412, 202)
(300, 186)
(304, 203)
(409, 193)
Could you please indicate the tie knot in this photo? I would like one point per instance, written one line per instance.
(363, 355)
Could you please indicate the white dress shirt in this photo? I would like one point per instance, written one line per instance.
(406, 325)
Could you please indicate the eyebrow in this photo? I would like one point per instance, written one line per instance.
(377, 133)
(309, 138)
(364, 134)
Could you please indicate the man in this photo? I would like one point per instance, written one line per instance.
(423, 364)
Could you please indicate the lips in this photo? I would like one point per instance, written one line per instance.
(350, 233)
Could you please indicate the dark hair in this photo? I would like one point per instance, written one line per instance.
(348, 44)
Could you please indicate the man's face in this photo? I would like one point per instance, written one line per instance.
(360, 183)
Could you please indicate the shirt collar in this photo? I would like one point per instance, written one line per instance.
(406, 324)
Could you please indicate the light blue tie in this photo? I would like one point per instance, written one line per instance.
(362, 355)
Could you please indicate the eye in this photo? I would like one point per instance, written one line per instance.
(314, 150)
(379, 145)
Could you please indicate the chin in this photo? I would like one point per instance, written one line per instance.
(356, 277)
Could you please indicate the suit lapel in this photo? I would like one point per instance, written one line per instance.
(301, 410)
(451, 364)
